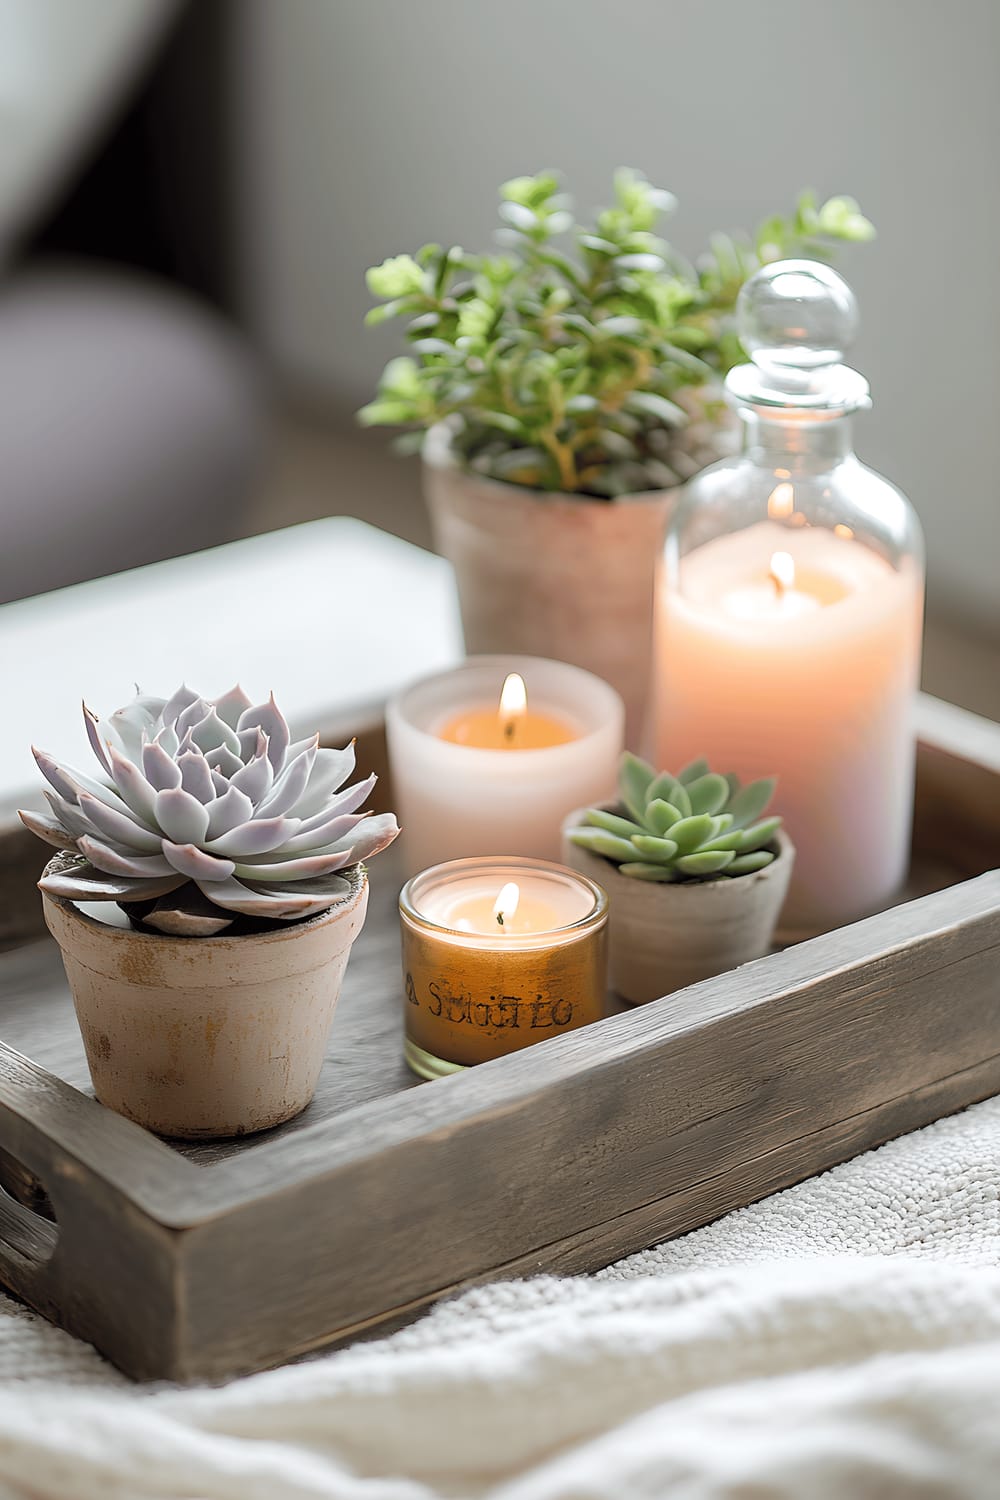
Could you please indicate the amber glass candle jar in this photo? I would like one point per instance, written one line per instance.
(498, 953)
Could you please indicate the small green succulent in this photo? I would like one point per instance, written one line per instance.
(696, 825)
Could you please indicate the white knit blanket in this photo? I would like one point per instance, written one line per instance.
(837, 1342)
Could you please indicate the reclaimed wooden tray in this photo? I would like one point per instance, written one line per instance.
(199, 1260)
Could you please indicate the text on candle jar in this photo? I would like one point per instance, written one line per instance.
(495, 1013)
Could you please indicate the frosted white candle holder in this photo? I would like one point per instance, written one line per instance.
(454, 801)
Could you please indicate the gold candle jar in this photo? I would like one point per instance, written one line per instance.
(498, 953)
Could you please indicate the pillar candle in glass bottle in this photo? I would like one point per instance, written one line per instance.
(790, 606)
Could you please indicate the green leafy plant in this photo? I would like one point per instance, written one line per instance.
(584, 358)
(696, 825)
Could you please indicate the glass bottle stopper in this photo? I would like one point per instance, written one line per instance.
(796, 319)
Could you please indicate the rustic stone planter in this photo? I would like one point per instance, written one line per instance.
(553, 575)
(663, 937)
(214, 1036)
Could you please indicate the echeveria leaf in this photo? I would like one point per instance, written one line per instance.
(98, 742)
(347, 801)
(689, 833)
(225, 762)
(122, 827)
(660, 816)
(175, 704)
(612, 823)
(303, 867)
(667, 788)
(196, 776)
(212, 733)
(268, 718)
(705, 862)
(708, 793)
(231, 705)
(82, 882)
(286, 793)
(731, 840)
(286, 903)
(231, 808)
(195, 864)
(748, 803)
(255, 778)
(656, 851)
(325, 835)
(331, 769)
(180, 817)
(599, 841)
(759, 834)
(746, 864)
(371, 836)
(47, 829)
(114, 862)
(260, 836)
(634, 779)
(159, 769)
(693, 771)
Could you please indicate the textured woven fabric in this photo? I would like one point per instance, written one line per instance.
(839, 1339)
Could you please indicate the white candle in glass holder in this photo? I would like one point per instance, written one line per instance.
(474, 776)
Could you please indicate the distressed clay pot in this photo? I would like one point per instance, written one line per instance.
(209, 1036)
(561, 576)
(663, 937)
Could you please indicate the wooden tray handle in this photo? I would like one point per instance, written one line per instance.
(29, 1233)
(28, 1238)
(78, 1186)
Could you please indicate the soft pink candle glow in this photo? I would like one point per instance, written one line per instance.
(795, 653)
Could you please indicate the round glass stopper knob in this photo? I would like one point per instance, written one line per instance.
(796, 315)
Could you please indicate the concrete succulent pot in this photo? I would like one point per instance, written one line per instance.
(208, 1036)
(666, 936)
(236, 854)
(562, 576)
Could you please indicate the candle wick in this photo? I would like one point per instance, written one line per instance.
(499, 918)
(509, 730)
(782, 574)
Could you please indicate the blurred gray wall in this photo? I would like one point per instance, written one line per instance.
(367, 127)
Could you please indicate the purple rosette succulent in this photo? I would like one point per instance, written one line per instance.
(206, 812)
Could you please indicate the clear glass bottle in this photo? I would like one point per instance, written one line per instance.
(789, 610)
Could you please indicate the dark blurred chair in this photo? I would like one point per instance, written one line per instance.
(130, 415)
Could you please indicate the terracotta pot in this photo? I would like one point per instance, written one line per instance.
(561, 576)
(209, 1036)
(663, 937)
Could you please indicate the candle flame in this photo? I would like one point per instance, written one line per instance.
(782, 571)
(844, 532)
(781, 502)
(513, 704)
(506, 902)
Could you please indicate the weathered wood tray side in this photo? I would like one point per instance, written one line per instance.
(560, 1159)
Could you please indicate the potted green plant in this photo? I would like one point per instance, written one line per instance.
(695, 873)
(561, 391)
(235, 858)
